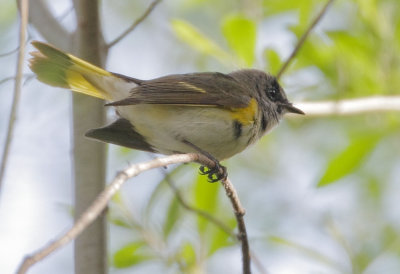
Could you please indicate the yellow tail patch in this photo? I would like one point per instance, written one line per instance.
(57, 68)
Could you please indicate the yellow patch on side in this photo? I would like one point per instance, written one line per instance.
(246, 115)
(192, 87)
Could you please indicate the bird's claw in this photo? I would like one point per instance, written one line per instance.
(215, 174)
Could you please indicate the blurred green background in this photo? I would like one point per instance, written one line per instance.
(321, 193)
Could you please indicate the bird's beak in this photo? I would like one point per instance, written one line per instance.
(290, 108)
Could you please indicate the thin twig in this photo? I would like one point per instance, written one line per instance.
(28, 76)
(17, 48)
(17, 87)
(135, 24)
(239, 213)
(257, 263)
(100, 203)
(351, 106)
(197, 211)
(303, 39)
(10, 52)
(65, 13)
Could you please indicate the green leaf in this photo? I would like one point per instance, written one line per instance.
(241, 32)
(205, 198)
(172, 217)
(374, 189)
(198, 41)
(188, 253)
(273, 60)
(116, 214)
(348, 160)
(220, 238)
(130, 255)
(117, 198)
(119, 221)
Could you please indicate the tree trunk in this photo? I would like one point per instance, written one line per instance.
(89, 156)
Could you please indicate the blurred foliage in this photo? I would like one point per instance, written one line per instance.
(356, 51)
(130, 255)
(240, 32)
(199, 41)
(8, 13)
(349, 159)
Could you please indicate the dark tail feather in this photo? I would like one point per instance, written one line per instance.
(121, 133)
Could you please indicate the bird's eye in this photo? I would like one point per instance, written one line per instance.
(273, 93)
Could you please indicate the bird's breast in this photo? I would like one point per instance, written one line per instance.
(215, 130)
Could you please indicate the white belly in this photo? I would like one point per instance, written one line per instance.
(209, 128)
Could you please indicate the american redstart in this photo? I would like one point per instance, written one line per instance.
(210, 112)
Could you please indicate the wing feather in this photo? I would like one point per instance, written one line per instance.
(212, 89)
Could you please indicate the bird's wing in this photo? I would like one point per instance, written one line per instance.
(207, 89)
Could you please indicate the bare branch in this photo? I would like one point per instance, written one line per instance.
(49, 27)
(351, 106)
(100, 203)
(17, 87)
(135, 24)
(303, 39)
(239, 213)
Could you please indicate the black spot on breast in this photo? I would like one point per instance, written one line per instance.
(264, 122)
(237, 129)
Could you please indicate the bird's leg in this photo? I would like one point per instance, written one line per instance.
(215, 174)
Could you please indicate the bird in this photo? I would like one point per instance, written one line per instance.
(212, 113)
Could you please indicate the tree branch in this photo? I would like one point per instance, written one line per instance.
(211, 219)
(17, 87)
(303, 38)
(350, 106)
(239, 213)
(100, 203)
(49, 27)
(135, 24)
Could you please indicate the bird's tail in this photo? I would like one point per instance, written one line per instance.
(57, 68)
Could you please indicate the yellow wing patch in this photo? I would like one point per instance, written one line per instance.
(192, 87)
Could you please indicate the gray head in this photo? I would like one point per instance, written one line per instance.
(270, 95)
